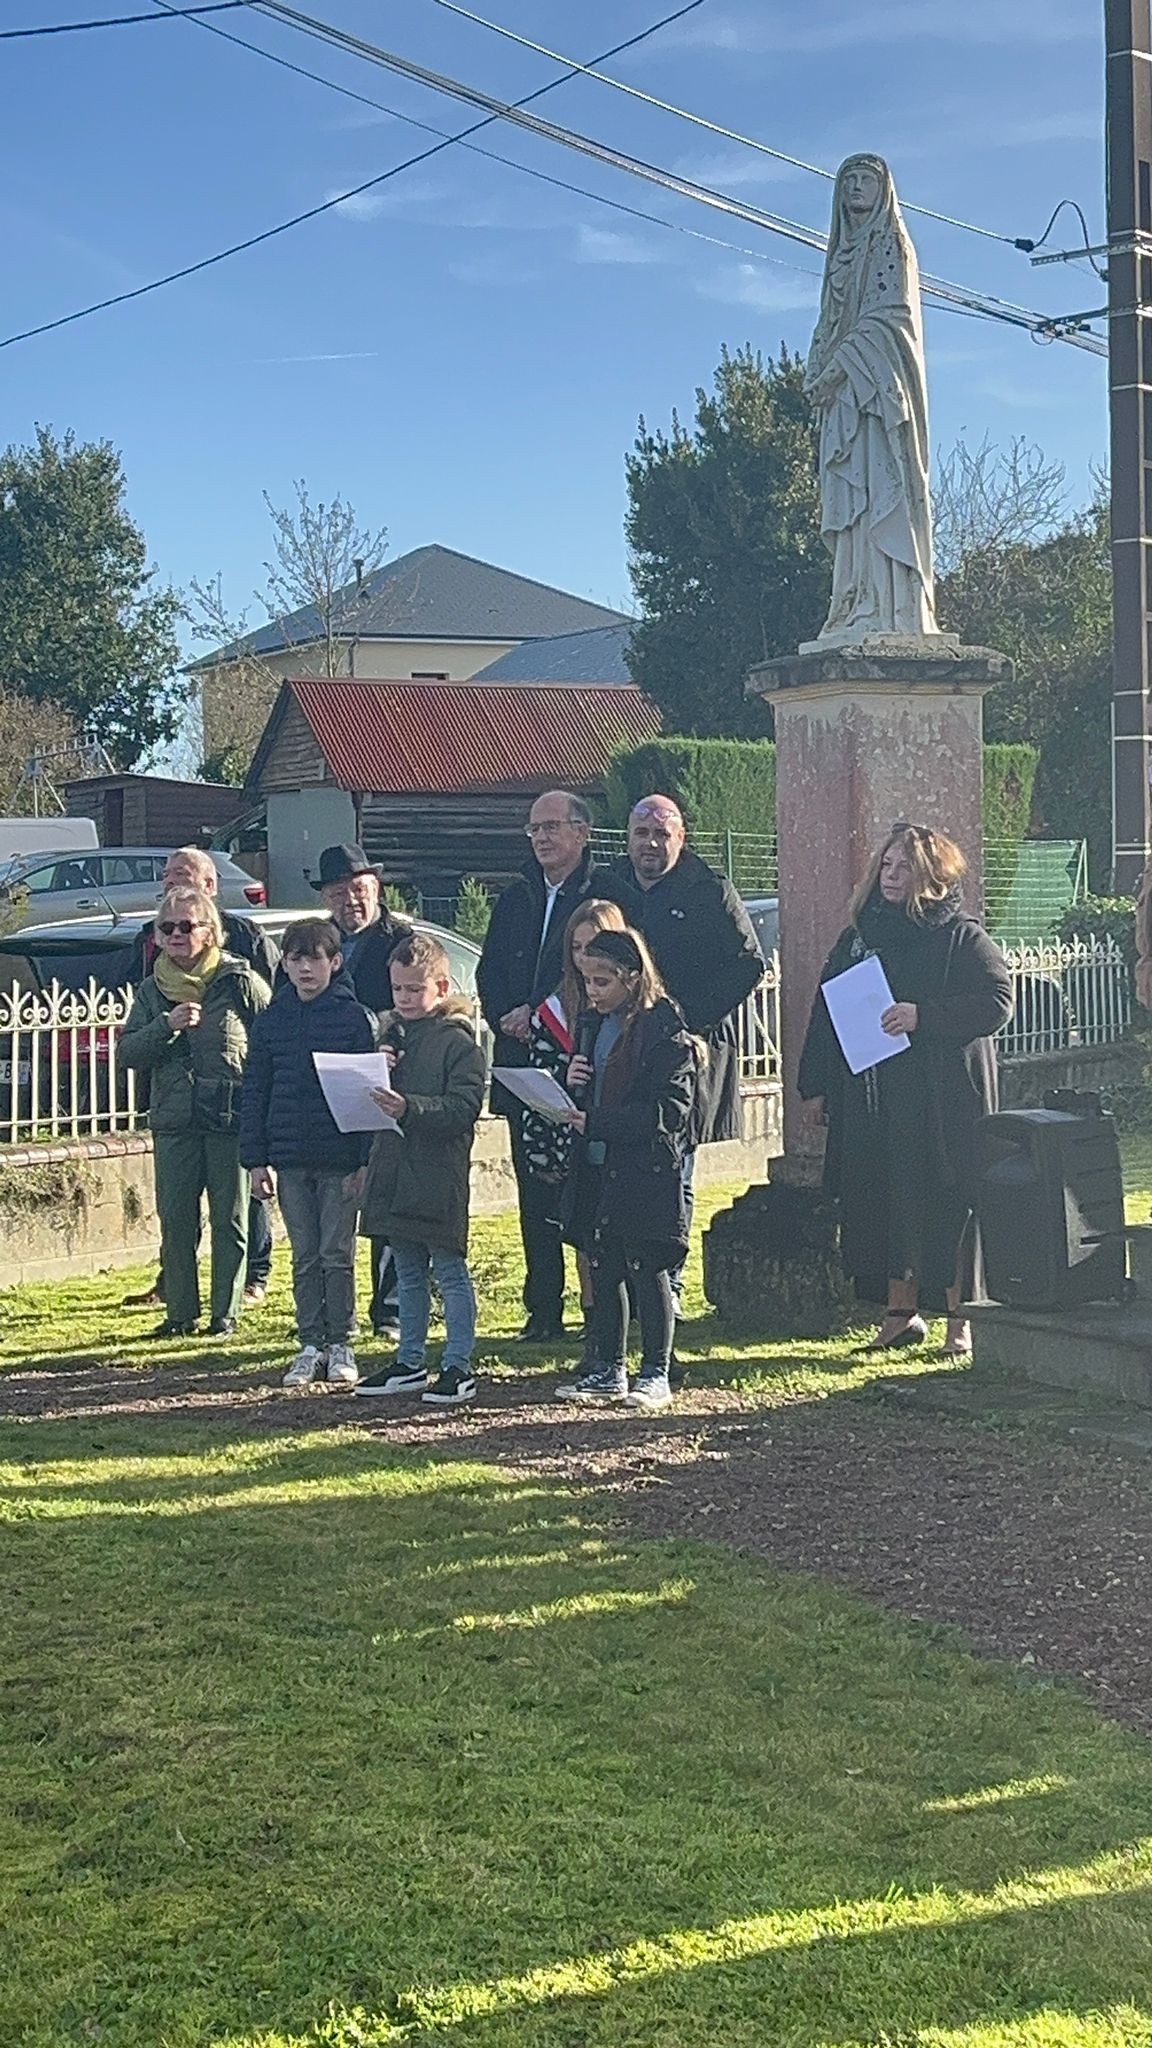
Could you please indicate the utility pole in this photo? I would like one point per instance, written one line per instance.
(1128, 99)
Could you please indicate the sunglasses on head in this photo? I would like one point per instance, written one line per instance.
(186, 925)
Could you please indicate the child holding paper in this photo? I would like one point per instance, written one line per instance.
(287, 1134)
(627, 1194)
(416, 1194)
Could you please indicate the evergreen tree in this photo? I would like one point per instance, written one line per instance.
(83, 625)
(723, 530)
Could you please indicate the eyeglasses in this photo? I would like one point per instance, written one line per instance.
(185, 925)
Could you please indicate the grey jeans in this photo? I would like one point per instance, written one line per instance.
(321, 1223)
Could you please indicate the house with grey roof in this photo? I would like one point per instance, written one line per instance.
(432, 615)
(598, 655)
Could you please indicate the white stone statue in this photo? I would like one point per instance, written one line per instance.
(865, 378)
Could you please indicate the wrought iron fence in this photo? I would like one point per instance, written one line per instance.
(1066, 995)
(758, 1026)
(61, 1075)
(60, 1069)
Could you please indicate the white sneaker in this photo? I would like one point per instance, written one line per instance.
(308, 1365)
(342, 1368)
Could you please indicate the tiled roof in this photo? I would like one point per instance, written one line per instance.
(409, 739)
(599, 656)
(434, 594)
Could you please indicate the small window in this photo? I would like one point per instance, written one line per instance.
(428, 675)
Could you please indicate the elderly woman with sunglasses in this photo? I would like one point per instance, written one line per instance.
(188, 1029)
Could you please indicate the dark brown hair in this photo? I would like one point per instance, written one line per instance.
(312, 938)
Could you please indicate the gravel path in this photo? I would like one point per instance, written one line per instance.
(1037, 1548)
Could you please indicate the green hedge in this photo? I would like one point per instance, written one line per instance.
(720, 785)
(730, 786)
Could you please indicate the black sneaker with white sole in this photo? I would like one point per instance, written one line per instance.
(395, 1379)
(451, 1390)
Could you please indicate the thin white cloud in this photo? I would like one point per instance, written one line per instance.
(768, 291)
(608, 245)
(736, 169)
(363, 206)
(847, 24)
(352, 355)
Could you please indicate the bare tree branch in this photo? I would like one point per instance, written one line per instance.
(323, 559)
(988, 499)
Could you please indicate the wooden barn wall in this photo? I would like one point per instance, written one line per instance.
(294, 758)
(429, 842)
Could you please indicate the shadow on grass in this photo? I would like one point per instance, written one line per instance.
(446, 1698)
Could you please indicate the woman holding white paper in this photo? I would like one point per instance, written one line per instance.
(900, 1154)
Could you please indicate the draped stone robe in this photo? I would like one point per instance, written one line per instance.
(866, 377)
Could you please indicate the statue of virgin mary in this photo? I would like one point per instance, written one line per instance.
(865, 377)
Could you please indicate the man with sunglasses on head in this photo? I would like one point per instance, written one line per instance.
(521, 964)
(189, 867)
(702, 940)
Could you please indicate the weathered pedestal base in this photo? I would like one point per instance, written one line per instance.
(771, 1263)
(868, 731)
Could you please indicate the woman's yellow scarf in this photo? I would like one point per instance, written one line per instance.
(186, 984)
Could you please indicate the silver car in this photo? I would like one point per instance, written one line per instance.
(49, 888)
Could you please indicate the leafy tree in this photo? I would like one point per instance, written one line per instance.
(1048, 603)
(83, 625)
(723, 530)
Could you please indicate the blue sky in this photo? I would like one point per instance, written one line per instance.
(465, 354)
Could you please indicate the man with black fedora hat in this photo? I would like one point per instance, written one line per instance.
(350, 889)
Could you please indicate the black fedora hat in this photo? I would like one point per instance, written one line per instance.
(340, 863)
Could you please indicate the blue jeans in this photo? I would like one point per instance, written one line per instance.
(456, 1292)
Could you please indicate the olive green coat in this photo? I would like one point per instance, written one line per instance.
(196, 1075)
(417, 1186)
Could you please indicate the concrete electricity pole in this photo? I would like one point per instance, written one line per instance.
(1128, 92)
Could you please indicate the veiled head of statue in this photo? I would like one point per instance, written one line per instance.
(863, 188)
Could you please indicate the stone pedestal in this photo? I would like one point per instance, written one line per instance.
(868, 732)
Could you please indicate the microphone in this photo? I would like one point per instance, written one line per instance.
(586, 1029)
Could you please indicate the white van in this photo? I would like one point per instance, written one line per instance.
(44, 835)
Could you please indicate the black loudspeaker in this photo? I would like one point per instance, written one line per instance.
(1050, 1204)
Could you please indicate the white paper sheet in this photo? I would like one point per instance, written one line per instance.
(347, 1079)
(857, 999)
(539, 1090)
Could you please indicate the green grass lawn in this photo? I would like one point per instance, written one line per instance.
(312, 1740)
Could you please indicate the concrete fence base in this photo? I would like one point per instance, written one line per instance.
(88, 1206)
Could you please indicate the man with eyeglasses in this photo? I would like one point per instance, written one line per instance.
(521, 964)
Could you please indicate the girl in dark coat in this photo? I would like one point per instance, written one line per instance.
(628, 1186)
(900, 1152)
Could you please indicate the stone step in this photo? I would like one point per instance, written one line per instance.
(1103, 1349)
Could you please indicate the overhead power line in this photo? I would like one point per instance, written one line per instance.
(69, 28)
(325, 206)
(956, 298)
(635, 92)
(494, 156)
(986, 303)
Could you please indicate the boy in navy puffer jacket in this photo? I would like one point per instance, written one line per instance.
(286, 1124)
